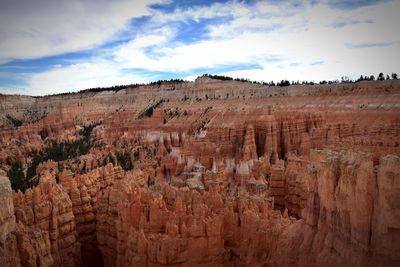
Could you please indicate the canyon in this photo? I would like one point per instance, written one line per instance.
(203, 173)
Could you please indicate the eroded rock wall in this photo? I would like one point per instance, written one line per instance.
(339, 225)
(217, 174)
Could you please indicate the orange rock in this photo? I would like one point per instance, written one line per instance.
(222, 173)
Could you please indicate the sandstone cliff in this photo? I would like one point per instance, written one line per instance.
(208, 173)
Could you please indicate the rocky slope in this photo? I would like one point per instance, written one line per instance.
(210, 173)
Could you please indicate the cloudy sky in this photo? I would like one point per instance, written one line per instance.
(50, 46)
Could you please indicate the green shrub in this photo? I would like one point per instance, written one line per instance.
(56, 151)
(124, 159)
(14, 121)
(18, 179)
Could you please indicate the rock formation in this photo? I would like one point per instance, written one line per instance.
(210, 173)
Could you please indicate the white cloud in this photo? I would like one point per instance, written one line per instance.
(305, 35)
(200, 12)
(31, 29)
(180, 57)
(132, 54)
(81, 76)
(283, 40)
(319, 41)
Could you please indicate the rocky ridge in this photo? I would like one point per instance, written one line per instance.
(217, 174)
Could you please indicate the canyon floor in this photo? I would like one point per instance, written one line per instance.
(204, 173)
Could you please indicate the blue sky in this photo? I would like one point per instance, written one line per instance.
(51, 46)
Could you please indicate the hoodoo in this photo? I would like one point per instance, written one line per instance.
(204, 173)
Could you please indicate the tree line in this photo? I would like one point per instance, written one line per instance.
(282, 83)
(117, 88)
(344, 79)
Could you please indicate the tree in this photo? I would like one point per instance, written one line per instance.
(345, 79)
(372, 78)
(387, 77)
(381, 77)
(18, 179)
(14, 121)
(283, 83)
(124, 159)
(394, 76)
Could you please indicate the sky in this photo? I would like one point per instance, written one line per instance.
(54, 46)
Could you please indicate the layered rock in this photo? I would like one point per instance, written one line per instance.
(7, 219)
(128, 223)
(84, 190)
(339, 226)
(296, 186)
(20, 245)
(385, 237)
(48, 208)
(208, 173)
(277, 183)
(141, 227)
